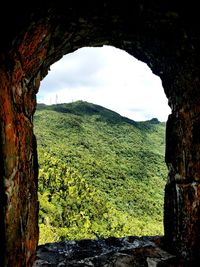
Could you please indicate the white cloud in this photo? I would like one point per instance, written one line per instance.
(109, 77)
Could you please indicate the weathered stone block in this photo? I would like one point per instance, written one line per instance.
(182, 219)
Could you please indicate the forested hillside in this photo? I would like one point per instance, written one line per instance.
(100, 174)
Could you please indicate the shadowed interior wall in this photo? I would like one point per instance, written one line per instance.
(163, 35)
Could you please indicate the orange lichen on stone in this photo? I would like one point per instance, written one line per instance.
(17, 72)
(30, 244)
(32, 40)
(8, 121)
(33, 47)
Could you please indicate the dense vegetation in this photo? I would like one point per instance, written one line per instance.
(100, 174)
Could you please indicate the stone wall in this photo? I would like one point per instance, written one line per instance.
(164, 35)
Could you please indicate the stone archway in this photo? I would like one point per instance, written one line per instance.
(161, 35)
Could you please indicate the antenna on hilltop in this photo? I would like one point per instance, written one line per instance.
(56, 99)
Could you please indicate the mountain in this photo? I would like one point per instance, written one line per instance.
(100, 174)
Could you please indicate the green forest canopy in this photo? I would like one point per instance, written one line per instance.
(100, 174)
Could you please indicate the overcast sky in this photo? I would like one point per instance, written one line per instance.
(109, 77)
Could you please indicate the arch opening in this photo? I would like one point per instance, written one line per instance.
(116, 182)
(163, 36)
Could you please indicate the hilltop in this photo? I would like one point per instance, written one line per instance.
(101, 174)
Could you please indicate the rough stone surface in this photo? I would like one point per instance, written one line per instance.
(163, 34)
(183, 208)
(110, 252)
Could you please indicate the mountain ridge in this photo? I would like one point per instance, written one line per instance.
(81, 107)
(100, 175)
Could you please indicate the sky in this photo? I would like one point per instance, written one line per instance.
(109, 77)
